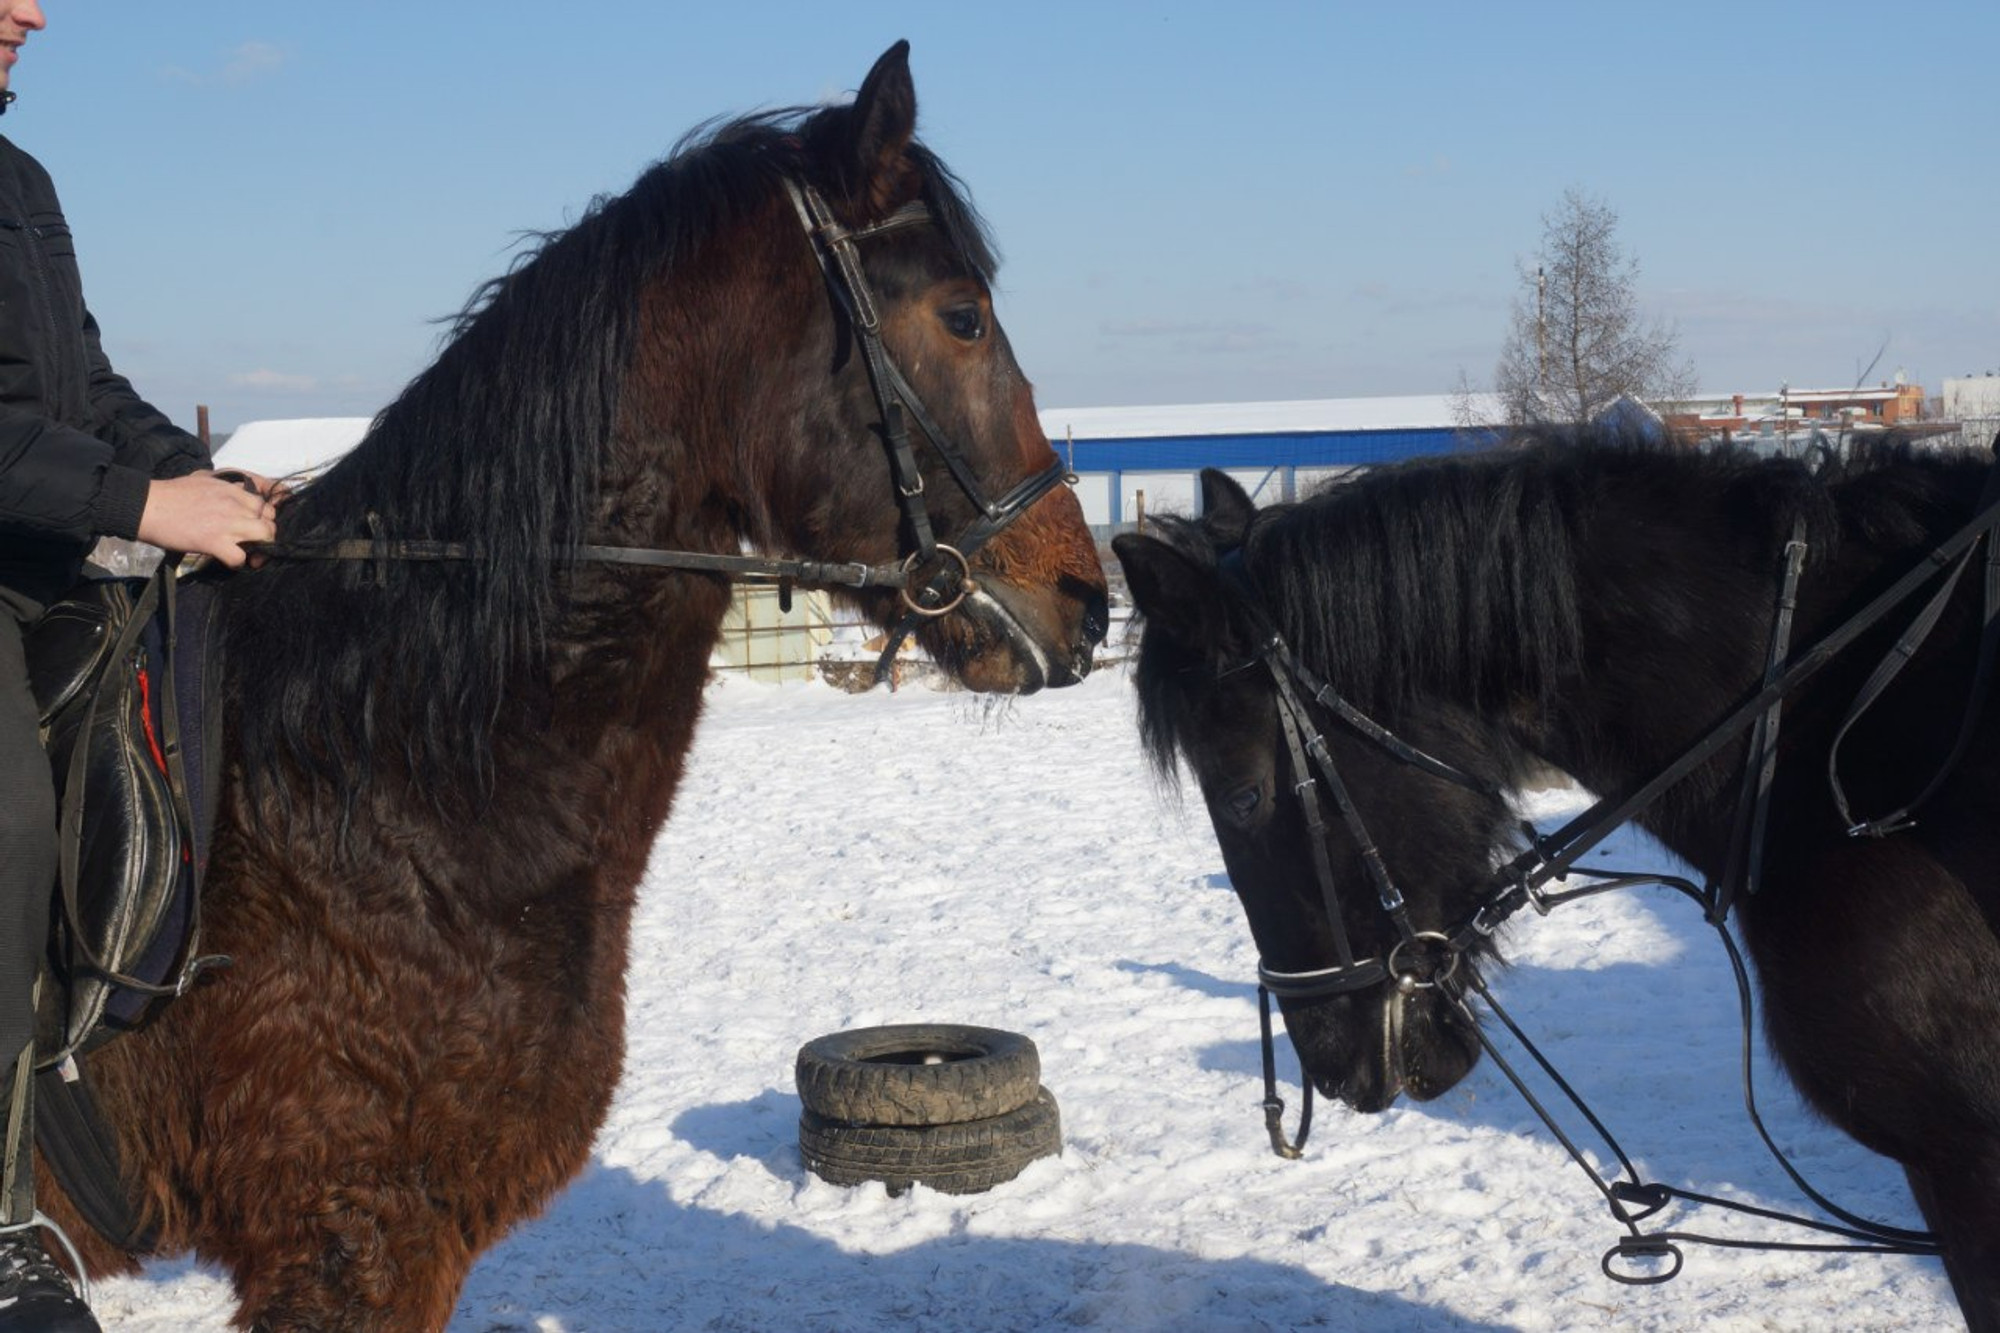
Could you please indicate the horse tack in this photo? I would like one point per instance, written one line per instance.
(106, 664)
(949, 579)
(839, 257)
(835, 247)
(1552, 857)
(1312, 766)
(1520, 883)
(124, 686)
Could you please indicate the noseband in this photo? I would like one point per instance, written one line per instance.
(1312, 768)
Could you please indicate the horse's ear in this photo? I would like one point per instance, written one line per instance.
(884, 121)
(1226, 508)
(1171, 591)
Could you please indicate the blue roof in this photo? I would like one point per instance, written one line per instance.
(1300, 449)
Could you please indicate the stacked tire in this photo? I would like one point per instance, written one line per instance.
(957, 1108)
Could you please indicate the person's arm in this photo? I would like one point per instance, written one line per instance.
(63, 483)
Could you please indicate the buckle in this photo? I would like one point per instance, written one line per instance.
(964, 580)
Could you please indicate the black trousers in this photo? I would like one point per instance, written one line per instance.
(27, 870)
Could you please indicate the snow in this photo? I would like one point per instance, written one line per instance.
(295, 447)
(837, 861)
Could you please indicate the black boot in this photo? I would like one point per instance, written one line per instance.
(35, 1295)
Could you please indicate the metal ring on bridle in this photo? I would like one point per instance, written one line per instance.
(965, 583)
(1407, 982)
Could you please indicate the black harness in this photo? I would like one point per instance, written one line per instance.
(1437, 959)
(932, 578)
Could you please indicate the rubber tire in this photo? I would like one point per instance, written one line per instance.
(855, 1077)
(952, 1159)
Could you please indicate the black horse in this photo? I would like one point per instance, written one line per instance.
(1613, 609)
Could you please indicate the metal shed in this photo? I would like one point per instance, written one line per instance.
(1132, 459)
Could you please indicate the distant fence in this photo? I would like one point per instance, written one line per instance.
(817, 641)
(762, 640)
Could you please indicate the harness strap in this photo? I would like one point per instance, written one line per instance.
(1899, 657)
(834, 248)
(994, 514)
(1306, 786)
(1552, 857)
(1632, 1200)
(1743, 869)
(1398, 748)
(819, 573)
(1274, 1105)
(1386, 893)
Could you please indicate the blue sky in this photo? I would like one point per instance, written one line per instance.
(276, 203)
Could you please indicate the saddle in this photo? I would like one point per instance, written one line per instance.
(121, 670)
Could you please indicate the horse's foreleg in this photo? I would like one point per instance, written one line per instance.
(1961, 1202)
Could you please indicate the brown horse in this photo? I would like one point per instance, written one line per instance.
(443, 776)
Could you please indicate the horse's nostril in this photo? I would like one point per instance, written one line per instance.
(1096, 621)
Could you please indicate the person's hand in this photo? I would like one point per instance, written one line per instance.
(204, 514)
(275, 491)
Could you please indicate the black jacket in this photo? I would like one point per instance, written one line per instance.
(77, 445)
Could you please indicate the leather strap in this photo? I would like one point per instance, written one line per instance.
(1744, 867)
(1552, 857)
(852, 574)
(1899, 657)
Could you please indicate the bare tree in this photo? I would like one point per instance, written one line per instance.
(1577, 341)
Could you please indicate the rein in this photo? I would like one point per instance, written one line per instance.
(396, 550)
(932, 580)
(1552, 857)
(1434, 958)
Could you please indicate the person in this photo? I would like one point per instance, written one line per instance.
(82, 456)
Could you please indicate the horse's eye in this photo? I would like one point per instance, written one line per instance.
(965, 322)
(1242, 803)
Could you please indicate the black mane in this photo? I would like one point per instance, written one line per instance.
(500, 442)
(1457, 576)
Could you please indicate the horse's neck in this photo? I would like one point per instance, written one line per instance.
(628, 666)
(1673, 638)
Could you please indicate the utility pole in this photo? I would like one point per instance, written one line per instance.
(1541, 329)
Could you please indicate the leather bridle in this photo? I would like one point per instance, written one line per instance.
(1431, 959)
(1313, 767)
(837, 249)
(932, 578)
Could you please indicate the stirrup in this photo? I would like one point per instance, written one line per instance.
(42, 1221)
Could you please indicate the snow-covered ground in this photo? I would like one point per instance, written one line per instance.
(841, 860)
